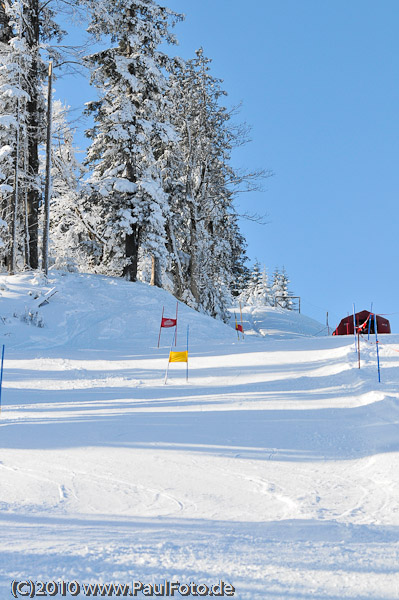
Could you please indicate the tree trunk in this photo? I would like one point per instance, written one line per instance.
(194, 266)
(132, 252)
(32, 201)
(47, 188)
(33, 197)
(178, 275)
(5, 30)
(12, 264)
(156, 277)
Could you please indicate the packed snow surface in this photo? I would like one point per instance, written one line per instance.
(274, 468)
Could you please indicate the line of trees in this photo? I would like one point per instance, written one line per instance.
(154, 199)
(259, 290)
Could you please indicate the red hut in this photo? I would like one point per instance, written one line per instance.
(346, 325)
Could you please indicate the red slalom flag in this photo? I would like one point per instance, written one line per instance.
(238, 327)
(168, 322)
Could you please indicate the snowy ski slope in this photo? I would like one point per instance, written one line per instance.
(274, 469)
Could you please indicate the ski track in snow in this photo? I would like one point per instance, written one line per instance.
(274, 468)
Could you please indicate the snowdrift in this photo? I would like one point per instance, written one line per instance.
(277, 323)
(273, 469)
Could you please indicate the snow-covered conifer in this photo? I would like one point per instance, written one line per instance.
(207, 245)
(71, 241)
(265, 294)
(276, 285)
(26, 27)
(252, 291)
(39, 29)
(131, 133)
(280, 291)
(241, 272)
(286, 301)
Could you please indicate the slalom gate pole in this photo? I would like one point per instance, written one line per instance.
(242, 326)
(376, 343)
(167, 368)
(177, 306)
(1, 373)
(354, 324)
(238, 334)
(187, 355)
(371, 315)
(358, 346)
(159, 337)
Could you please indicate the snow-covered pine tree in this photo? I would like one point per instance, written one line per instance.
(71, 240)
(276, 286)
(40, 28)
(27, 26)
(131, 133)
(286, 301)
(265, 295)
(241, 272)
(252, 291)
(257, 290)
(15, 60)
(280, 291)
(207, 246)
(36, 125)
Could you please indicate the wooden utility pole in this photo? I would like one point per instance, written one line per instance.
(47, 188)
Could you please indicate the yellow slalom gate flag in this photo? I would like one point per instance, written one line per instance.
(178, 356)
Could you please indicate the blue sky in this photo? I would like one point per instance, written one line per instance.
(319, 86)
